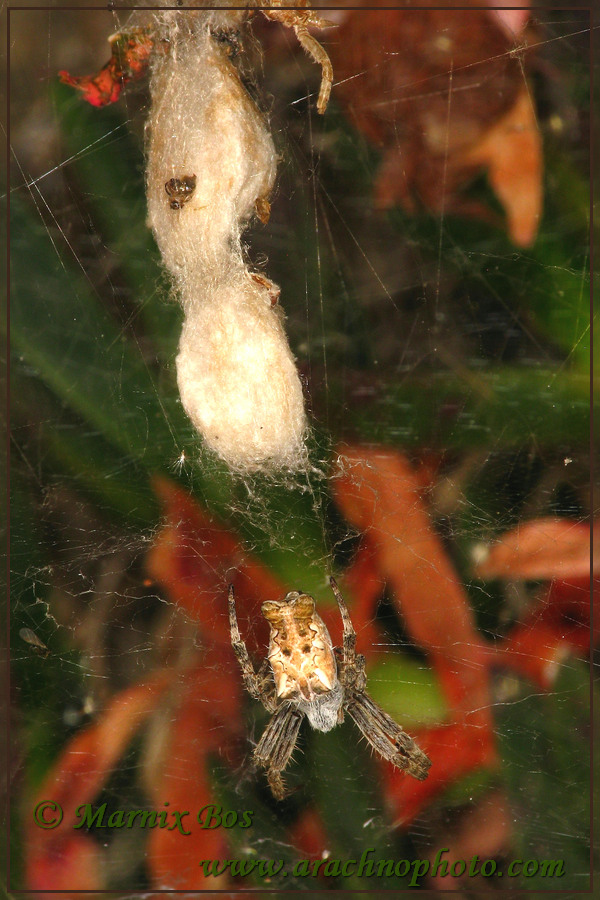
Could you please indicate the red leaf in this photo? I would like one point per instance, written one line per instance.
(99, 90)
(511, 151)
(443, 96)
(196, 559)
(56, 859)
(558, 627)
(380, 494)
(541, 549)
(67, 864)
(208, 720)
(546, 548)
(128, 61)
(484, 831)
(455, 750)
(308, 835)
(512, 20)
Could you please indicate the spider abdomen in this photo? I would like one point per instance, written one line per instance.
(323, 712)
(301, 654)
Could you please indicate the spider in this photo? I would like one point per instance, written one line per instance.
(180, 190)
(306, 680)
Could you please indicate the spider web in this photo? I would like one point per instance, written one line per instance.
(387, 311)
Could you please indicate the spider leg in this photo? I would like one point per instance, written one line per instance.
(299, 19)
(349, 632)
(314, 49)
(386, 736)
(257, 685)
(276, 746)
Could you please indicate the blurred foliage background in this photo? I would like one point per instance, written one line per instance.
(431, 335)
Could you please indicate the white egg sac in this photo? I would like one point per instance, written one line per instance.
(210, 160)
(238, 381)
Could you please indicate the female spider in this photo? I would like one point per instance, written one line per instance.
(306, 680)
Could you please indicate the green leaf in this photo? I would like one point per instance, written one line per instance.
(116, 484)
(544, 746)
(108, 163)
(64, 337)
(59, 328)
(407, 690)
(507, 406)
(344, 784)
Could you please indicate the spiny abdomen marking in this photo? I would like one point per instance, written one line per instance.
(300, 650)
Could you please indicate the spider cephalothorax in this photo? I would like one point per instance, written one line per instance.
(306, 680)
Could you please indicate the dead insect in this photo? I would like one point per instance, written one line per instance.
(36, 645)
(230, 39)
(273, 290)
(180, 190)
(306, 680)
(263, 209)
